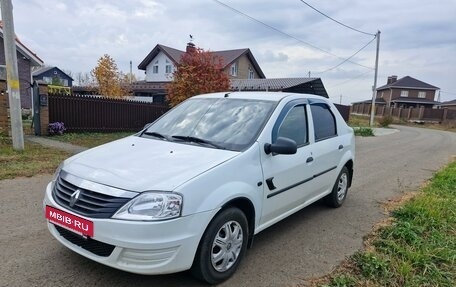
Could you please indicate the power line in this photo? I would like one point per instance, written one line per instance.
(338, 22)
(349, 80)
(286, 34)
(332, 68)
(450, 93)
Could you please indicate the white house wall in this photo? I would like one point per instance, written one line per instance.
(161, 76)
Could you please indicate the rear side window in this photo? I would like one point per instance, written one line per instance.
(324, 121)
(294, 125)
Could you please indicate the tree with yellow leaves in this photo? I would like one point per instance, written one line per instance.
(108, 78)
(198, 72)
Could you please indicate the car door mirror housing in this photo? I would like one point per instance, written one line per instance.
(281, 146)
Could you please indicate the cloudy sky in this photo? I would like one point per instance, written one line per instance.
(418, 38)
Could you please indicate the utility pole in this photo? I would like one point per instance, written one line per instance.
(309, 74)
(131, 72)
(374, 87)
(340, 101)
(12, 76)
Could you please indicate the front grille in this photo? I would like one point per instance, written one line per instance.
(89, 244)
(90, 203)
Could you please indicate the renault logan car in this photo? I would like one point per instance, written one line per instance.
(192, 189)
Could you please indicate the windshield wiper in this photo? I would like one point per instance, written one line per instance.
(197, 140)
(155, 134)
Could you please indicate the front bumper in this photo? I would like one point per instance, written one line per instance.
(141, 247)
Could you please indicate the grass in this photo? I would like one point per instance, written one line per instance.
(34, 159)
(90, 139)
(364, 131)
(416, 248)
(360, 124)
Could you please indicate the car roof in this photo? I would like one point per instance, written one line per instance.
(266, 96)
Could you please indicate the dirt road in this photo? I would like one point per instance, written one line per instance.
(309, 243)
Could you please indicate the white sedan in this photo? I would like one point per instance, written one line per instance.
(192, 189)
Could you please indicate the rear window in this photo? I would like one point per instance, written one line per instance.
(324, 121)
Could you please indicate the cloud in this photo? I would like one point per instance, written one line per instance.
(417, 39)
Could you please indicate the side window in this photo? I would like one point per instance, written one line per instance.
(324, 122)
(294, 125)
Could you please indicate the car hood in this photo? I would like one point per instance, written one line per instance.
(140, 164)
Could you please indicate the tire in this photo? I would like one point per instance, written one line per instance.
(339, 192)
(222, 246)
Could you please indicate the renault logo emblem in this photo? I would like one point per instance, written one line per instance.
(74, 197)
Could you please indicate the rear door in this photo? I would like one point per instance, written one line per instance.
(328, 146)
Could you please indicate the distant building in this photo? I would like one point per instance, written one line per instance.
(405, 93)
(26, 60)
(162, 61)
(448, 105)
(52, 76)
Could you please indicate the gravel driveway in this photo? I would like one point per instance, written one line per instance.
(307, 244)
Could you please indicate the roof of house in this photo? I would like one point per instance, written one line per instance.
(449, 103)
(377, 101)
(228, 57)
(414, 100)
(409, 82)
(42, 70)
(302, 85)
(26, 52)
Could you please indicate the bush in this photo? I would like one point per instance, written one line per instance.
(385, 121)
(364, 132)
(56, 128)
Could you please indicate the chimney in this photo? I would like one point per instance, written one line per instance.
(391, 79)
(190, 47)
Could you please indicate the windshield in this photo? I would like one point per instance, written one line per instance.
(225, 123)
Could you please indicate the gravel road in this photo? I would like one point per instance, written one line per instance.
(308, 244)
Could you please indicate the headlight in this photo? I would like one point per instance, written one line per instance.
(151, 206)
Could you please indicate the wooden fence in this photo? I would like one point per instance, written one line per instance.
(96, 114)
(407, 114)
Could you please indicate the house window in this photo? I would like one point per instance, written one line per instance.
(155, 68)
(422, 95)
(234, 69)
(251, 73)
(168, 67)
(404, 93)
(47, 80)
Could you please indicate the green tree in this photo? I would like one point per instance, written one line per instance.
(198, 72)
(108, 77)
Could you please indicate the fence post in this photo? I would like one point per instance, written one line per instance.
(420, 117)
(383, 111)
(391, 111)
(4, 121)
(399, 113)
(409, 115)
(44, 109)
(445, 114)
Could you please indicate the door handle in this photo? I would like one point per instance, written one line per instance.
(309, 159)
(341, 146)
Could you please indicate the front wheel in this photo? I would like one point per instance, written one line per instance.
(339, 192)
(222, 247)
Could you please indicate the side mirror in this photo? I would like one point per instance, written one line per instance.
(281, 146)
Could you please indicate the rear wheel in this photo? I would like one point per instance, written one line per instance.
(339, 192)
(222, 247)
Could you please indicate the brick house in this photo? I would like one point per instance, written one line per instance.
(26, 60)
(162, 61)
(407, 92)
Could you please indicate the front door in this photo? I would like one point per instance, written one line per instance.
(288, 178)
